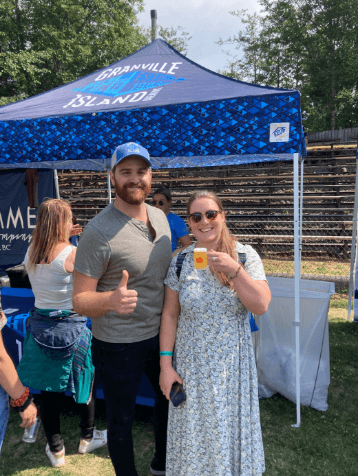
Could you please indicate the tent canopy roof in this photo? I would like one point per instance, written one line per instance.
(156, 97)
(157, 67)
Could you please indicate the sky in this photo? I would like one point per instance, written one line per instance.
(205, 20)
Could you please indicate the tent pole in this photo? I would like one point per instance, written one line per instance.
(153, 16)
(301, 213)
(56, 183)
(353, 247)
(296, 322)
(109, 187)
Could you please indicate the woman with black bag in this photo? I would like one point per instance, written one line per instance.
(57, 348)
(206, 345)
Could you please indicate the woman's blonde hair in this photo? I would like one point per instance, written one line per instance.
(226, 243)
(51, 228)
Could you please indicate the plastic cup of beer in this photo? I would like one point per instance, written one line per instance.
(200, 258)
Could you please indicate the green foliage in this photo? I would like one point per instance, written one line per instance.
(323, 34)
(44, 44)
(309, 45)
(250, 67)
(267, 60)
(8, 100)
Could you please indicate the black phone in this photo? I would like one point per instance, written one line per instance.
(177, 394)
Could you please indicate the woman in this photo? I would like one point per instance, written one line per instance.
(10, 384)
(216, 431)
(57, 348)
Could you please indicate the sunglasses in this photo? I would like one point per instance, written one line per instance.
(159, 202)
(210, 215)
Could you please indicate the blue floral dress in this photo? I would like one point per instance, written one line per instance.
(217, 430)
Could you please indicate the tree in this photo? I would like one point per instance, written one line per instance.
(323, 34)
(248, 68)
(266, 60)
(46, 43)
(177, 37)
(309, 45)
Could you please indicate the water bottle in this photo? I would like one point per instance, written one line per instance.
(30, 433)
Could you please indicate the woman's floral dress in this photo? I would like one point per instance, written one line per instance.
(216, 431)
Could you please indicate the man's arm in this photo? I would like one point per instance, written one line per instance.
(88, 302)
(185, 241)
(181, 231)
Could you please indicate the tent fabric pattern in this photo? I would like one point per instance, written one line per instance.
(226, 127)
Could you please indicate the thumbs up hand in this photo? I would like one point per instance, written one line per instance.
(123, 300)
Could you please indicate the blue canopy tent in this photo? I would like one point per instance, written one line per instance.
(184, 114)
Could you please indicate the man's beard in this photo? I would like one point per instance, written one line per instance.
(127, 196)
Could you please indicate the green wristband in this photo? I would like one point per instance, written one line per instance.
(164, 354)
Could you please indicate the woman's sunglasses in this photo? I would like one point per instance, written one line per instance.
(210, 215)
(159, 202)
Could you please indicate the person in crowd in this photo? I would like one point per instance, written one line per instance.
(121, 262)
(216, 431)
(162, 199)
(57, 348)
(10, 385)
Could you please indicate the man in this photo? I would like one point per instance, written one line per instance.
(121, 262)
(162, 199)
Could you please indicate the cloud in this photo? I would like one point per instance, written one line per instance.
(205, 20)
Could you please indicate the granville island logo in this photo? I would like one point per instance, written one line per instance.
(132, 86)
(128, 83)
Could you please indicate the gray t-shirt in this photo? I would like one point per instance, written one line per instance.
(112, 242)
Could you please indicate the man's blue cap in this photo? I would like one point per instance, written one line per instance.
(130, 149)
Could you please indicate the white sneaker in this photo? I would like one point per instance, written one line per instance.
(57, 459)
(99, 439)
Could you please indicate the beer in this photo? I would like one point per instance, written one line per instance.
(200, 258)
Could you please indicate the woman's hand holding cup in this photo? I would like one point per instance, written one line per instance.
(222, 263)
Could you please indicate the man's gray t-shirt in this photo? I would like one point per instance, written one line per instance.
(112, 242)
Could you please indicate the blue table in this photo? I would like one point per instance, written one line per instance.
(17, 302)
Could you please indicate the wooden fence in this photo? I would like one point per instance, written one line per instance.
(258, 199)
(341, 135)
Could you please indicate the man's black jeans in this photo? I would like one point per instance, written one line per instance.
(120, 368)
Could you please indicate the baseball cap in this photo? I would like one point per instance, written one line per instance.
(130, 149)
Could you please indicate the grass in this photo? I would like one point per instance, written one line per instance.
(325, 443)
(328, 268)
(30, 460)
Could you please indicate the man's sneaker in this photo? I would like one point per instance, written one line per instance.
(157, 468)
(57, 459)
(99, 439)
